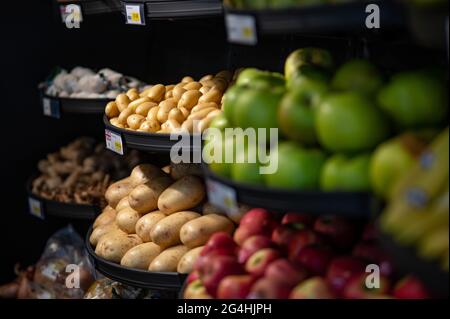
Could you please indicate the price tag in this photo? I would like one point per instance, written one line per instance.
(114, 142)
(241, 29)
(222, 196)
(51, 107)
(135, 14)
(36, 208)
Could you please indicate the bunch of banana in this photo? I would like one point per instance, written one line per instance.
(419, 212)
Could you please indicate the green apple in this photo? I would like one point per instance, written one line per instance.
(298, 168)
(391, 160)
(296, 116)
(219, 165)
(257, 109)
(350, 122)
(220, 122)
(258, 79)
(415, 99)
(308, 72)
(345, 173)
(245, 171)
(358, 75)
(307, 56)
(229, 102)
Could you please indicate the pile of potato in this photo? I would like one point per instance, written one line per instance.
(188, 105)
(150, 222)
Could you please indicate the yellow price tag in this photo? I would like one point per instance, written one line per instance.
(135, 17)
(118, 146)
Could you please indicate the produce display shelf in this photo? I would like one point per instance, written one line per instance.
(176, 9)
(407, 261)
(134, 277)
(324, 18)
(150, 142)
(44, 208)
(57, 106)
(347, 204)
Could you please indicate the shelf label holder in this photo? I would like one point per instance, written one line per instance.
(114, 141)
(51, 107)
(36, 208)
(134, 13)
(241, 29)
(222, 196)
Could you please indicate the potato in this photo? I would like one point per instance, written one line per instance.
(207, 77)
(180, 170)
(205, 122)
(108, 216)
(132, 93)
(143, 108)
(164, 109)
(227, 75)
(170, 87)
(99, 231)
(134, 121)
(184, 111)
(177, 115)
(133, 105)
(178, 91)
(213, 95)
(113, 246)
(166, 232)
(214, 113)
(117, 191)
(124, 115)
(114, 121)
(146, 223)
(205, 89)
(203, 106)
(185, 193)
(171, 125)
(144, 173)
(144, 198)
(123, 203)
(187, 79)
(122, 101)
(145, 92)
(189, 99)
(209, 208)
(220, 84)
(188, 125)
(152, 114)
(192, 86)
(150, 126)
(168, 260)
(156, 93)
(111, 110)
(168, 95)
(186, 263)
(126, 219)
(201, 114)
(140, 256)
(197, 232)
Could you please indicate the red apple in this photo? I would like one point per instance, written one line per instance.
(216, 268)
(341, 269)
(268, 288)
(258, 215)
(257, 263)
(283, 270)
(252, 245)
(235, 287)
(357, 288)
(340, 232)
(315, 259)
(255, 222)
(221, 242)
(192, 276)
(195, 290)
(410, 288)
(298, 218)
(312, 288)
(284, 234)
(300, 240)
(373, 253)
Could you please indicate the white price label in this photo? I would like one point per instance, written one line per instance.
(135, 14)
(114, 142)
(241, 29)
(47, 106)
(51, 108)
(36, 208)
(222, 196)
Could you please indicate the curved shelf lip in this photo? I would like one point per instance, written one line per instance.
(405, 258)
(153, 142)
(61, 209)
(134, 277)
(180, 8)
(322, 18)
(77, 105)
(348, 204)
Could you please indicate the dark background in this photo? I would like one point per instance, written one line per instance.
(34, 41)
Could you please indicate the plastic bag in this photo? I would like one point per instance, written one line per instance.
(64, 270)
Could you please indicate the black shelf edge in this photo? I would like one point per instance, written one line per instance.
(93, 7)
(150, 142)
(134, 277)
(346, 204)
(407, 261)
(343, 17)
(53, 208)
(167, 9)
